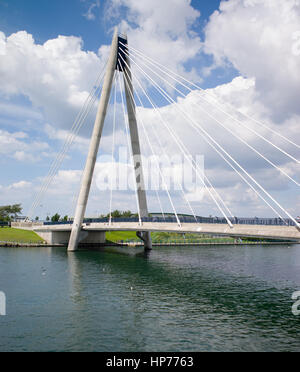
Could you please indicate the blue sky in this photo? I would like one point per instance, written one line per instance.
(53, 50)
(46, 19)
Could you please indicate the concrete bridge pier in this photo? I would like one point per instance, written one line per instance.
(145, 236)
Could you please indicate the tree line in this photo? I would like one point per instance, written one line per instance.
(119, 214)
(9, 212)
(114, 214)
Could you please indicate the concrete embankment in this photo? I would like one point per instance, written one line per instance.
(137, 245)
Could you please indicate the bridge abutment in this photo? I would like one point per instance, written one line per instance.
(63, 237)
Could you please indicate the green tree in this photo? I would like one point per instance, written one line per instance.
(65, 218)
(127, 214)
(8, 211)
(116, 214)
(55, 218)
(47, 218)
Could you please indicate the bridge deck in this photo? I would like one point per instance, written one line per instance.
(256, 231)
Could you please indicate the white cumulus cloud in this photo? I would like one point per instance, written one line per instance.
(56, 76)
(259, 38)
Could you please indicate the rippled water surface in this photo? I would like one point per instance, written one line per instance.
(213, 298)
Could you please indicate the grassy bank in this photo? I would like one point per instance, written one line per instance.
(8, 234)
(164, 237)
(30, 237)
(117, 236)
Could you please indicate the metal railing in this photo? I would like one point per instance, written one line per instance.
(186, 219)
(5, 224)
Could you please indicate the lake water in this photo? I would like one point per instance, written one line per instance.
(209, 298)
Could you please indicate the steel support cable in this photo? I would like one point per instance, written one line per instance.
(75, 198)
(164, 152)
(82, 171)
(228, 129)
(59, 160)
(204, 177)
(186, 154)
(157, 183)
(196, 170)
(60, 157)
(68, 142)
(157, 193)
(150, 145)
(129, 147)
(186, 150)
(160, 205)
(153, 62)
(170, 100)
(190, 119)
(151, 148)
(226, 160)
(113, 149)
(72, 133)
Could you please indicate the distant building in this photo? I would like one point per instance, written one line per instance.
(172, 215)
(18, 218)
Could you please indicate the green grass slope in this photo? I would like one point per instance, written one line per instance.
(19, 236)
(116, 236)
(158, 237)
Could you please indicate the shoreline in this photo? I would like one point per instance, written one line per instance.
(138, 245)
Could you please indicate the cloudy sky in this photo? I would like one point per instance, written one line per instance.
(243, 54)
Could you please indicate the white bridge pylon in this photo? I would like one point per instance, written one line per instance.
(114, 63)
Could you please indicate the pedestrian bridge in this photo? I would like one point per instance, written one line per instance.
(118, 77)
(94, 233)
